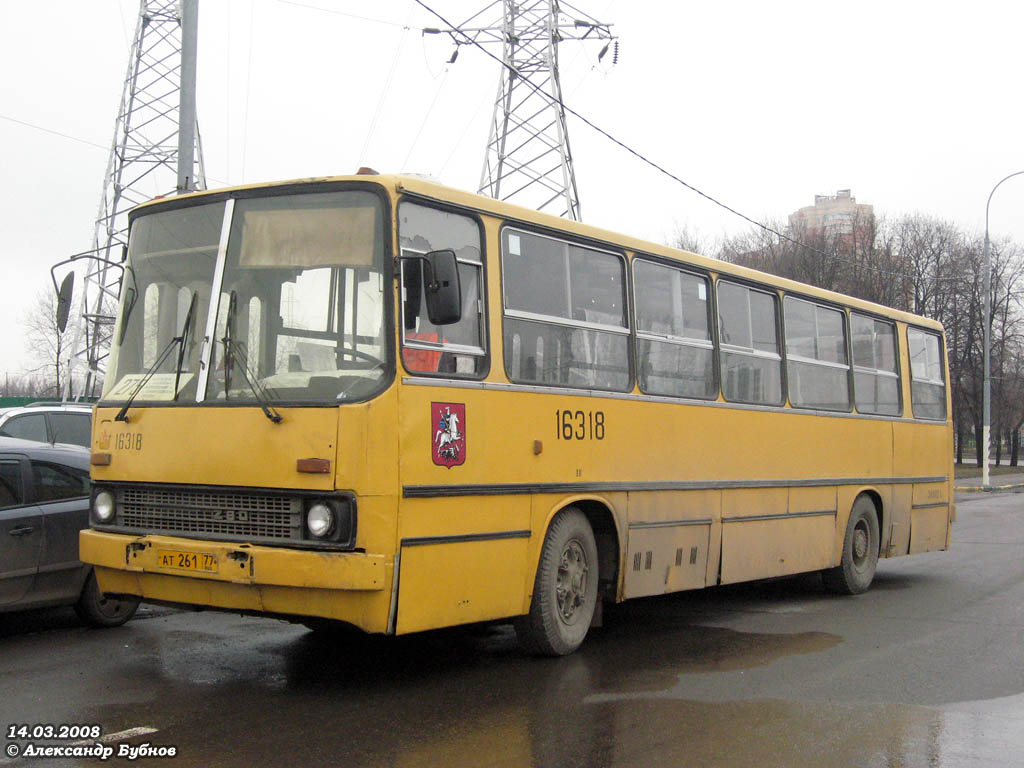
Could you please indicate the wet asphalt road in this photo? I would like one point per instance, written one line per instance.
(927, 669)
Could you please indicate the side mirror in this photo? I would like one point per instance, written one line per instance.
(67, 288)
(442, 288)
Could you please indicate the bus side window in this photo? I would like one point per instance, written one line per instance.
(876, 381)
(750, 360)
(817, 367)
(459, 349)
(927, 382)
(567, 305)
(675, 355)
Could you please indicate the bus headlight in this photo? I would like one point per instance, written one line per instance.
(331, 520)
(320, 520)
(103, 507)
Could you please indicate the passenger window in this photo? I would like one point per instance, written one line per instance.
(818, 373)
(54, 482)
(565, 313)
(12, 493)
(31, 426)
(750, 360)
(928, 384)
(71, 428)
(876, 382)
(674, 350)
(459, 349)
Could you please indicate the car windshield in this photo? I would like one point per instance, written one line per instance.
(297, 300)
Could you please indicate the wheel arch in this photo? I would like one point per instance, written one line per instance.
(848, 499)
(875, 498)
(600, 513)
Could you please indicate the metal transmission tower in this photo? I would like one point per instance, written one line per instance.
(528, 160)
(156, 150)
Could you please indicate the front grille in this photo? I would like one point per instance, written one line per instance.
(222, 513)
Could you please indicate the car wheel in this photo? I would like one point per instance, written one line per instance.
(97, 610)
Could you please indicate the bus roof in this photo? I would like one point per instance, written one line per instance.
(421, 187)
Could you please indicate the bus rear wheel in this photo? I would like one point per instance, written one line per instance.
(856, 570)
(565, 589)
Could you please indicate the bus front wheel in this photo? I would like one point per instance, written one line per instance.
(856, 570)
(98, 610)
(565, 589)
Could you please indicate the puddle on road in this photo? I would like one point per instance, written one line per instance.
(536, 713)
(236, 696)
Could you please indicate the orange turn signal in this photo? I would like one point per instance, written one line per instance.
(314, 466)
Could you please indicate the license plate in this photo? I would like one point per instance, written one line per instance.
(186, 561)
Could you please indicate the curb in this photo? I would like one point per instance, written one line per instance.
(982, 489)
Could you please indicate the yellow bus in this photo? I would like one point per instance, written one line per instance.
(380, 401)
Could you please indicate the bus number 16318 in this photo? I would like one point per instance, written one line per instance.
(579, 425)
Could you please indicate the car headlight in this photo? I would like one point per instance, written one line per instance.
(320, 520)
(103, 506)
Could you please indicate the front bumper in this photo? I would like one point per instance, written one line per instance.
(348, 586)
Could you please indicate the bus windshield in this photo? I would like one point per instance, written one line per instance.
(292, 310)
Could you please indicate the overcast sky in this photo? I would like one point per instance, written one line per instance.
(915, 106)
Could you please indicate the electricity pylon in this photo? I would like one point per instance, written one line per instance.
(156, 150)
(528, 160)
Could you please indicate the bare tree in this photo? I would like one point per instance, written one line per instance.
(687, 239)
(928, 266)
(20, 384)
(45, 343)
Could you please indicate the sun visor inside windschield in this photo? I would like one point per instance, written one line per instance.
(309, 237)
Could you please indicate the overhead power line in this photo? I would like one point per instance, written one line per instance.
(55, 133)
(335, 12)
(466, 39)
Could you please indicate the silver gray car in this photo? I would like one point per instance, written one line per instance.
(48, 422)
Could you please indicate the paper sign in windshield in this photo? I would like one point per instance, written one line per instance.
(159, 387)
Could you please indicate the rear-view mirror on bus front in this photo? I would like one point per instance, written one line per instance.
(67, 287)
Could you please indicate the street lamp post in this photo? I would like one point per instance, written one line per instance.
(986, 424)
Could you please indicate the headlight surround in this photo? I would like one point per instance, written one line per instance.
(320, 519)
(330, 520)
(104, 506)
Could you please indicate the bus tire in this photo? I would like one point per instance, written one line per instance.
(564, 590)
(856, 570)
(97, 610)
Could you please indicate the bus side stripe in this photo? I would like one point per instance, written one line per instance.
(780, 516)
(421, 541)
(506, 489)
(671, 523)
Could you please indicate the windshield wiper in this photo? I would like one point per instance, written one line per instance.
(122, 415)
(130, 297)
(233, 349)
(185, 332)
